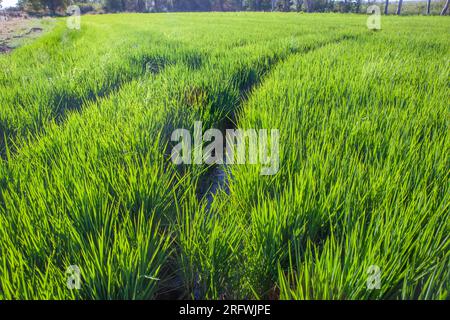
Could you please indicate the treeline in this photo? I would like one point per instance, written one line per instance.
(198, 5)
(55, 6)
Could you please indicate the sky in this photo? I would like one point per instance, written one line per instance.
(8, 3)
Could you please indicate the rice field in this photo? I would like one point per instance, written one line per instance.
(86, 179)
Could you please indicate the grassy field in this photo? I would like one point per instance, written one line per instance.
(86, 179)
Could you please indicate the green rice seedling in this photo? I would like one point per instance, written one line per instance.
(363, 179)
(86, 178)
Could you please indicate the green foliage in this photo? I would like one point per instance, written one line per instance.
(86, 177)
(365, 180)
(114, 5)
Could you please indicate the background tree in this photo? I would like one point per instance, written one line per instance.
(399, 8)
(444, 10)
(255, 5)
(344, 6)
(52, 6)
(141, 5)
(286, 5)
(358, 6)
(114, 5)
(238, 5)
(308, 5)
(220, 4)
(55, 5)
